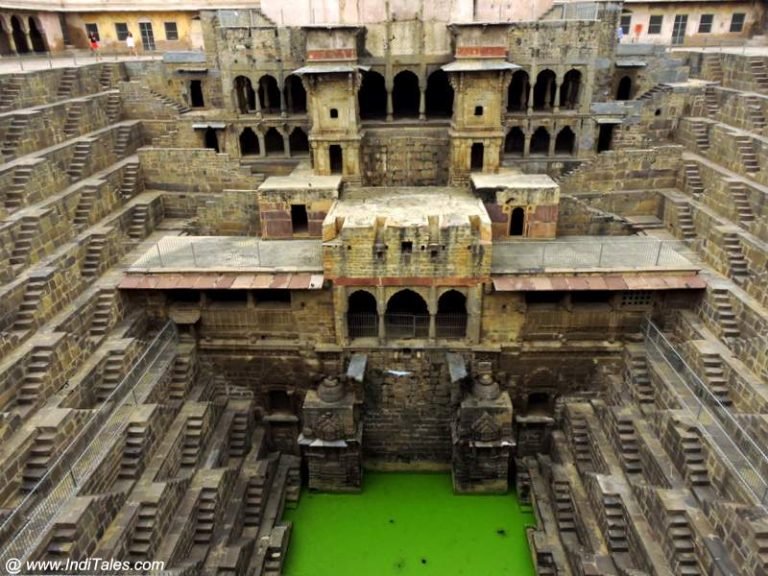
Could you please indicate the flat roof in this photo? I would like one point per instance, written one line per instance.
(505, 180)
(479, 65)
(301, 181)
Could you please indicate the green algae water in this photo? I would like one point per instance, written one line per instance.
(408, 524)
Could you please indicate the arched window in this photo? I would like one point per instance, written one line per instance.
(517, 94)
(18, 35)
(451, 318)
(624, 91)
(565, 141)
(211, 139)
(517, 221)
(540, 141)
(273, 143)
(544, 91)
(295, 95)
(362, 315)
(407, 316)
(372, 96)
(245, 95)
(298, 142)
(269, 95)
(569, 91)
(36, 36)
(249, 143)
(405, 95)
(439, 96)
(514, 143)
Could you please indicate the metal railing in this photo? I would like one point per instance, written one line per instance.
(362, 325)
(248, 321)
(406, 325)
(450, 325)
(735, 444)
(31, 520)
(606, 253)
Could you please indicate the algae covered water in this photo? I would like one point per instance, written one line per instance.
(408, 524)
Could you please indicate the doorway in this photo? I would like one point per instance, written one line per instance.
(336, 158)
(196, 93)
(478, 151)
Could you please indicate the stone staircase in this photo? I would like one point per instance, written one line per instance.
(180, 108)
(714, 376)
(66, 83)
(25, 319)
(239, 442)
(693, 456)
(39, 459)
(193, 440)
(112, 374)
(79, 160)
(139, 218)
(693, 183)
(616, 532)
(747, 153)
(22, 246)
(84, 207)
(106, 77)
(579, 436)
(737, 265)
(206, 516)
(135, 439)
(293, 484)
(113, 108)
(740, 196)
(700, 131)
(759, 72)
(129, 185)
(122, 140)
(564, 509)
(630, 453)
(685, 220)
(755, 111)
(10, 93)
(141, 546)
(639, 379)
(102, 314)
(681, 537)
(93, 255)
(32, 387)
(711, 104)
(74, 117)
(712, 63)
(14, 195)
(61, 545)
(13, 136)
(721, 298)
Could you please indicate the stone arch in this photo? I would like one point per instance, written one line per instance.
(624, 89)
(514, 143)
(245, 95)
(269, 94)
(249, 143)
(570, 91)
(516, 222)
(406, 95)
(295, 95)
(36, 35)
(362, 315)
(372, 96)
(439, 96)
(544, 90)
(298, 142)
(19, 37)
(407, 315)
(451, 316)
(274, 143)
(518, 91)
(540, 141)
(565, 141)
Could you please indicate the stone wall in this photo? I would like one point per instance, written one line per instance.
(405, 156)
(193, 170)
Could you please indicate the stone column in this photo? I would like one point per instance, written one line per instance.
(389, 105)
(260, 136)
(422, 103)
(381, 309)
(557, 97)
(283, 112)
(526, 145)
(530, 98)
(257, 101)
(286, 145)
(548, 94)
(552, 140)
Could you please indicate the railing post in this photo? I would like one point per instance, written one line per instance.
(658, 254)
(600, 256)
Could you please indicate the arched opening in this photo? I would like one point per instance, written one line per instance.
(372, 96)
(540, 141)
(245, 95)
(298, 142)
(517, 94)
(624, 91)
(295, 95)
(407, 316)
(362, 315)
(565, 141)
(405, 95)
(249, 143)
(569, 91)
(196, 93)
(476, 156)
(517, 221)
(539, 403)
(269, 95)
(439, 97)
(36, 36)
(5, 43)
(544, 91)
(605, 137)
(451, 318)
(19, 38)
(336, 158)
(514, 143)
(273, 143)
(211, 139)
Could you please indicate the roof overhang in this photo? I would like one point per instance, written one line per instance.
(330, 69)
(221, 281)
(611, 282)
(479, 65)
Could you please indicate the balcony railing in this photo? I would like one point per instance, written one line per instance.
(362, 325)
